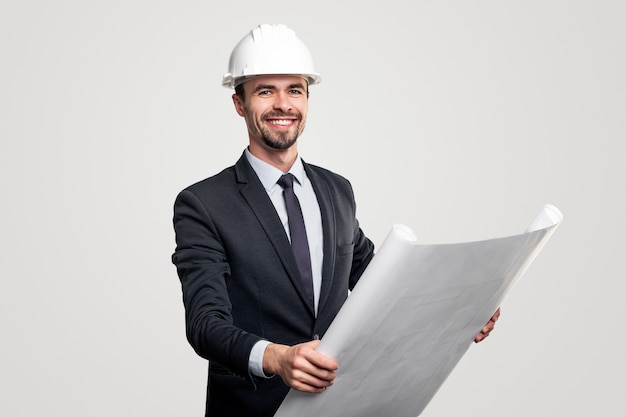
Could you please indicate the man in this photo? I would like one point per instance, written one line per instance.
(254, 304)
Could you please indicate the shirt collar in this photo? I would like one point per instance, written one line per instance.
(269, 175)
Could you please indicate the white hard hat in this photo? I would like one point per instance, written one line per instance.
(269, 50)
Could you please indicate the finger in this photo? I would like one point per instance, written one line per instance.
(303, 381)
(488, 327)
(484, 332)
(316, 382)
(320, 375)
(312, 344)
(314, 363)
(320, 360)
(480, 337)
(496, 315)
(307, 388)
(323, 362)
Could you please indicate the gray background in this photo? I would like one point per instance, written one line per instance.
(457, 118)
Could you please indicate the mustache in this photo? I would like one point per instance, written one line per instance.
(278, 114)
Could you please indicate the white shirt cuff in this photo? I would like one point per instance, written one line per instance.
(255, 363)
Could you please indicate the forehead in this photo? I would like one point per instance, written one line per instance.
(277, 81)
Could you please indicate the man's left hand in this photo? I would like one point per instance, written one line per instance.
(488, 327)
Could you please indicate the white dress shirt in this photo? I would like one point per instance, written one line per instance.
(303, 189)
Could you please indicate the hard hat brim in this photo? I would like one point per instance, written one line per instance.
(229, 81)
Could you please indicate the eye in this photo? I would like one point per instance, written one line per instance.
(264, 92)
(296, 92)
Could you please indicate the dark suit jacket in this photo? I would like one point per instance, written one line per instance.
(240, 280)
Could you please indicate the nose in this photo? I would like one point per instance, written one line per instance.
(282, 102)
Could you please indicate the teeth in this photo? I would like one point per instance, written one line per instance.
(282, 122)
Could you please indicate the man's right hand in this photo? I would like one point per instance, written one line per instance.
(300, 366)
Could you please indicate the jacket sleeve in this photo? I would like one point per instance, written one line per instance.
(363, 247)
(363, 254)
(203, 269)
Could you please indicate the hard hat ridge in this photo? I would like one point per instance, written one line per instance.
(269, 50)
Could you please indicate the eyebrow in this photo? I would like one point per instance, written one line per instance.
(273, 87)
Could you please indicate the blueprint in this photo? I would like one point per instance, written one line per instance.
(412, 316)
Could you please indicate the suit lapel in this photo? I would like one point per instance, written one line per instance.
(259, 202)
(327, 209)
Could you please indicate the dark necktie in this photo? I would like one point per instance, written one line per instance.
(297, 231)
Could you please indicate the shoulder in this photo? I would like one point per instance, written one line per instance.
(211, 191)
(327, 175)
(228, 180)
(330, 185)
(215, 183)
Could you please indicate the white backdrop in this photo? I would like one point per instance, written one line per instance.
(459, 119)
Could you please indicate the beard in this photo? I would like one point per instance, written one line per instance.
(277, 140)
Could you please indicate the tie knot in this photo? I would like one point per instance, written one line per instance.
(286, 181)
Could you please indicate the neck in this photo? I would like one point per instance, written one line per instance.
(281, 159)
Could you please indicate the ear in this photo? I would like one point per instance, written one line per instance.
(239, 107)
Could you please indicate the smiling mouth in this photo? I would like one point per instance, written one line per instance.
(281, 122)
